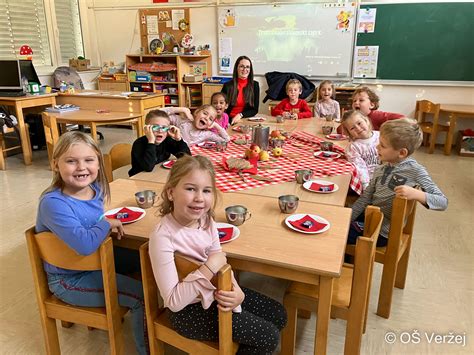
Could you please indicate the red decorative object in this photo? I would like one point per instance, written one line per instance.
(27, 51)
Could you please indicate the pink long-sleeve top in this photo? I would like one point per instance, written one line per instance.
(169, 237)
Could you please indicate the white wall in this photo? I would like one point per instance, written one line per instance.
(114, 32)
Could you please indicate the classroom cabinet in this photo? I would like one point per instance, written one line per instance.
(208, 89)
(165, 74)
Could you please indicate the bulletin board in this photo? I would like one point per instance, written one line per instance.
(168, 25)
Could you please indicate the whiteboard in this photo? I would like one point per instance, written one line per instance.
(314, 40)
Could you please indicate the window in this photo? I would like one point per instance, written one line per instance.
(31, 21)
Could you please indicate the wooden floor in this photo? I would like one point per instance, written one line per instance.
(438, 297)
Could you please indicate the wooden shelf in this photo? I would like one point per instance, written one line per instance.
(154, 82)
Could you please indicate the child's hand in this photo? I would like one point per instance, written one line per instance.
(117, 225)
(175, 133)
(187, 113)
(410, 193)
(294, 116)
(286, 115)
(228, 300)
(215, 261)
(149, 134)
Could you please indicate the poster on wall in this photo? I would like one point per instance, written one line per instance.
(365, 61)
(225, 55)
(228, 18)
(366, 20)
(152, 25)
(176, 17)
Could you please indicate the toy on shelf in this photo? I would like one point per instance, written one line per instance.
(26, 51)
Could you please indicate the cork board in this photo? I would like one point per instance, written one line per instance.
(166, 24)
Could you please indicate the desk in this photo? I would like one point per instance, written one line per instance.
(265, 246)
(20, 103)
(454, 111)
(94, 99)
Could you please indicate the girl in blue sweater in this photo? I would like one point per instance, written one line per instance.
(72, 208)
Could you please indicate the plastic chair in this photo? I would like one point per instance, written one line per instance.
(159, 327)
(48, 247)
(395, 255)
(120, 155)
(350, 294)
(423, 108)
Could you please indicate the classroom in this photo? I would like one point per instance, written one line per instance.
(114, 62)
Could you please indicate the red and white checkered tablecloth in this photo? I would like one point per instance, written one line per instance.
(297, 154)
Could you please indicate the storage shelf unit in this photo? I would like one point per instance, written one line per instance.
(154, 68)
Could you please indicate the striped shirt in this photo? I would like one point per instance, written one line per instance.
(386, 177)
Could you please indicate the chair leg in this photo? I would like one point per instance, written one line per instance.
(354, 327)
(434, 134)
(2, 152)
(288, 334)
(51, 338)
(386, 289)
(401, 275)
(65, 324)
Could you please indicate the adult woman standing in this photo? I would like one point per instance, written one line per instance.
(243, 93)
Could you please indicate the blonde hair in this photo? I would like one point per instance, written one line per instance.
(293, 82)
(374, 99)
(180, 169)
(65, 142)
(205, 107)
(402, 133)
(156, 113)
(350, 114)
(320, 86)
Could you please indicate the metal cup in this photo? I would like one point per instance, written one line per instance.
(288, 203)
(145, 199)
(326, 146)
(327, 130)
(280, 119)
(245, 129)
(303, 175)
(237, 214)
(221, 146)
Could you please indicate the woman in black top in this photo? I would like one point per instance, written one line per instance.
(242, 91)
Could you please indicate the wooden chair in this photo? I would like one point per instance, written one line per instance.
(120, 155)
(424, 107)
(51, 134)
(159, 327)
(395, 255)
(350, 294)
(4, 149)
(47, 247)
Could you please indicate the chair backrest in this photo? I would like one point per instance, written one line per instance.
(401, 222)
(426, 106)
(68, 75)
(120, 155)
(364, 257)
(184, 266)
(51, 134)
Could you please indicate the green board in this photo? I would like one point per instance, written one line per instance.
(424, 41)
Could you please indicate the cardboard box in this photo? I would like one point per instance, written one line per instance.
(192, 78)
(79, 64)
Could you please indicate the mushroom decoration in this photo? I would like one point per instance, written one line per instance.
(27, 51)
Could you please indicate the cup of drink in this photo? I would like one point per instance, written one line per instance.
(237, 214)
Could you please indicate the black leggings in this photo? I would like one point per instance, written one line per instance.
(256, 329)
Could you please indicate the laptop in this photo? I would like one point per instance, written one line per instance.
(10, 78)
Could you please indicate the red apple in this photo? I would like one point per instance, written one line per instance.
(275, 134)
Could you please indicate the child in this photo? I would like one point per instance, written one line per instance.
(197, 129)
(326, 105)
(398, 176)
(72, 208)
(187, 226)
(361, 151)
(159, 142)
(219, 102)
(293, 107)
(367, 102)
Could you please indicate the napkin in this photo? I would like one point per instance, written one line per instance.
(207, 144)
(169, 163)
(316, 226)
(225, 234)
(132, 215)
(321, 187)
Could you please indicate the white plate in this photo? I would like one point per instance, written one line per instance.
(207, 145)
(136, 209)
(336, 137)
(334, 155)
(307, 186)
(235, 234)
(168, 164)
(295, 217)
(256, 119)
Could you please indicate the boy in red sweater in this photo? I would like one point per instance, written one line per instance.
(293, 107)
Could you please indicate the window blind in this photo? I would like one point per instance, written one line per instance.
(24, 22)
(69, 28)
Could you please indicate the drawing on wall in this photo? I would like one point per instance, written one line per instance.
(365, 61)
(228, 18)
(164, 16)
(344, 20)
(152, 25)
(366, 20)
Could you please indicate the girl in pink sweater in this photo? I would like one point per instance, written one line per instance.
(187, 226)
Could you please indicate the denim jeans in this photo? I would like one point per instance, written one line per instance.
(86, 289)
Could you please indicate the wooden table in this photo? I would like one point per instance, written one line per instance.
(20, 103)
(114, 101)
(265, 246)
(454, 111)
(93, 119)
